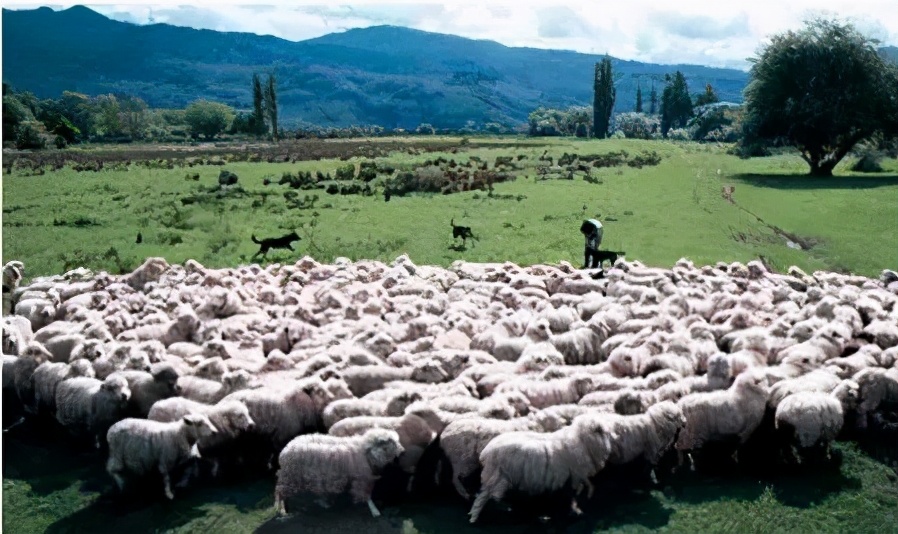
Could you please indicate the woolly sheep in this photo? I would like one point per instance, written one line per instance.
(47, 377)
(230, 418)
(814, 417)
(536, 463)
(87, 406)
(543, 394)
(415, 434)
(209, 391)
(647, 435)
(140, 447)
(328, 465)
(148, 387)
(710, 416)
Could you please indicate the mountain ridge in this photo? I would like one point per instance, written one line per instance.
(386, 75)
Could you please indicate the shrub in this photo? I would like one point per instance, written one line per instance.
(637, 125)
(346, 172)
(679, 134)
(869, 157)
(28, 137)
(60, 142)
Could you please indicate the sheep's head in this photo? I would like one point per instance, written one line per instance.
(154, 349)
(539, 330)
(166, 375)
(236, 380)
(848, 392)
(198, 427)
(237, 415)
(210, 368)
(116, 387)
(137, 361)
(81, 367)
(36, 352)
(381, 447)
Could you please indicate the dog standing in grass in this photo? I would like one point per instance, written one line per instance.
(269, 243)
(464, 232)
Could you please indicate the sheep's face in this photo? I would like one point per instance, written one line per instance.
(36, 352)
(81, 367)
(138, 362)
(382, 447)
(239, 419)
(848, 393)
(117, 388)
(237, 380)
(199, 426)
(166, 376)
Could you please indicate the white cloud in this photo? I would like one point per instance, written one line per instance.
(701, 32)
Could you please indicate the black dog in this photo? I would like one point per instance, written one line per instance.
(275, 242)
(610, 255)
(464, 232)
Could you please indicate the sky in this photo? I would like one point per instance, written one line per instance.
(718, 33)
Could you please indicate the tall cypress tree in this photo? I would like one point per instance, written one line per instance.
(603, 100)
(638, 99)
(676, 105)
(258, 117)
(271, 105)
(653, 100)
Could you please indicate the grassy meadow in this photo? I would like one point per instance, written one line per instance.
(657, 214)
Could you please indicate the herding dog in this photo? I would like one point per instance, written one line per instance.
(610, 255)
(275, 242)
(464, 232)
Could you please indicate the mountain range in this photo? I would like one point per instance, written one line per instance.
(384, 75)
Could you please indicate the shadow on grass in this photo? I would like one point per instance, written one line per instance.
(457, 247)
(803, 181)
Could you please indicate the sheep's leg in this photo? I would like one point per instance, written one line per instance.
(280, 506)
(114, 468)
(496, 492)
(17, 423)
(574, 507)
(589, 488)
(691, 461)
(460, 488)
(653, 476)
(374, 511)
(166, 481)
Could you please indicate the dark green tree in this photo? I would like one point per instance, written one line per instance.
(208, 118)
(708, 97)
(676, 105)
(257, 120)
(603, 98)
(822, 90)
(653, 100)
(638, 99)
(271, 105)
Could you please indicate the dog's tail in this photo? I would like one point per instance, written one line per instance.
(256, 241)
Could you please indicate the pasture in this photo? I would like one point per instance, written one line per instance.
(62, 219)
(657, 213)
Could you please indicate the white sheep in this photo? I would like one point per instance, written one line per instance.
(88, 407)
(140, 447)
(814, 417)
(710, 416)
(535, 463)
(47, 377)
(330, 465)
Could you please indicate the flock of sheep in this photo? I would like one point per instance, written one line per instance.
(516, 380)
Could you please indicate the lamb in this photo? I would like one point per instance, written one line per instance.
(536, 463)
(327, 465)
(147, 388)
(209, 391)
(710, 416)
(87, 406)
(48, 376)
(140, 447)
(814, 417)
(230, 418)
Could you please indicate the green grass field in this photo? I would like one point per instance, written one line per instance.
(656, 214)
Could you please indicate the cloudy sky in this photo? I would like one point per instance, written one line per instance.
(717, 33)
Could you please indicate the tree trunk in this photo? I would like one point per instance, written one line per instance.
(822, 168)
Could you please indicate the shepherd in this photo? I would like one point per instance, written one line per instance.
(592, 230)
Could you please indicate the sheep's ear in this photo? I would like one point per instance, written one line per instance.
(188, 419)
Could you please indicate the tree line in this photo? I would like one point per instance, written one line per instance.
(33, 123)
(821, 90)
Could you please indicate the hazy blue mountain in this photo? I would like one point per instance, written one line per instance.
(386, 75)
